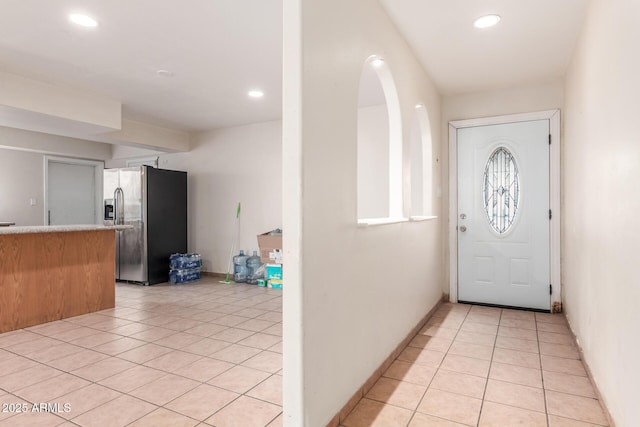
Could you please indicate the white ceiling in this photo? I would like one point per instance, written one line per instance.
(533, 42)
(218, 50)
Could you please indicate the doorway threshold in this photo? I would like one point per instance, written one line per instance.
(484, 304)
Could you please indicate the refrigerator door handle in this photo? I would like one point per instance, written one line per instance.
(118, 204)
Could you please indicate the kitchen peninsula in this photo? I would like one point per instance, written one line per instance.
(53, 272)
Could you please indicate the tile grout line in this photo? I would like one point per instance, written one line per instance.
(129, 336)
(544, 390)
(439, 365)
(486, 385)
(359, 395)
(166, 373)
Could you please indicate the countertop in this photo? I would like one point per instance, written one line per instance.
(60, 228)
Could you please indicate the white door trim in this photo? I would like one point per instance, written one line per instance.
(554, 192)
(99, 172)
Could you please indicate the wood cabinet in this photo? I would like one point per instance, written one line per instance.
(49, 275)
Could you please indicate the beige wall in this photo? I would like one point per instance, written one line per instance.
(546, 95)
(352, 294)
(601, 230)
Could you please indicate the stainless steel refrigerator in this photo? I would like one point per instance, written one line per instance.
(154, 202)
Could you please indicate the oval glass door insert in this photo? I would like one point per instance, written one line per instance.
(501, 190)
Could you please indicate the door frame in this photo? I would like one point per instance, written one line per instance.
(554, 194)
(98, 167)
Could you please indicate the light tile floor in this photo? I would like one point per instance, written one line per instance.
(184, 355)
(484, 366)
(210, 354)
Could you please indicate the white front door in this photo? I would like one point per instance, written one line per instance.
(503, 214)
(71, 193)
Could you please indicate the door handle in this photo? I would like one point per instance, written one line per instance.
(118, 206)
(463, 228)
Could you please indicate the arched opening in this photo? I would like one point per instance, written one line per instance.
(379, 143)
(421, 164)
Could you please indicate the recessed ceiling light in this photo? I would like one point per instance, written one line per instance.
(418, 106)
(256, 93)
(378, 62)
(84, 20)
(486, 21)
(164, 73)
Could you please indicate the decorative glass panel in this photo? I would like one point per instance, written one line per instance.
(501, 190)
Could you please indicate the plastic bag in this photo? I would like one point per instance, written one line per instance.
(258, 274)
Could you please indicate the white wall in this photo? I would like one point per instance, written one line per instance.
(23, 98)
(536, 96)
(21, 178)
(546, 95)
(373, 162)
(352, 294)
(601, 203)
(146, 135)
(43, 107)
(22, 169)
(417, 196)
(121, 153)
(53, 144)
(227, 166)
(422, 165)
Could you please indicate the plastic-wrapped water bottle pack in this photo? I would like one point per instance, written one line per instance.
(185, 268)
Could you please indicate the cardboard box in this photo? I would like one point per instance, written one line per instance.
(270, 248)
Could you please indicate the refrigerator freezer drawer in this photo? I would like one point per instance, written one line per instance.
(132, 259)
